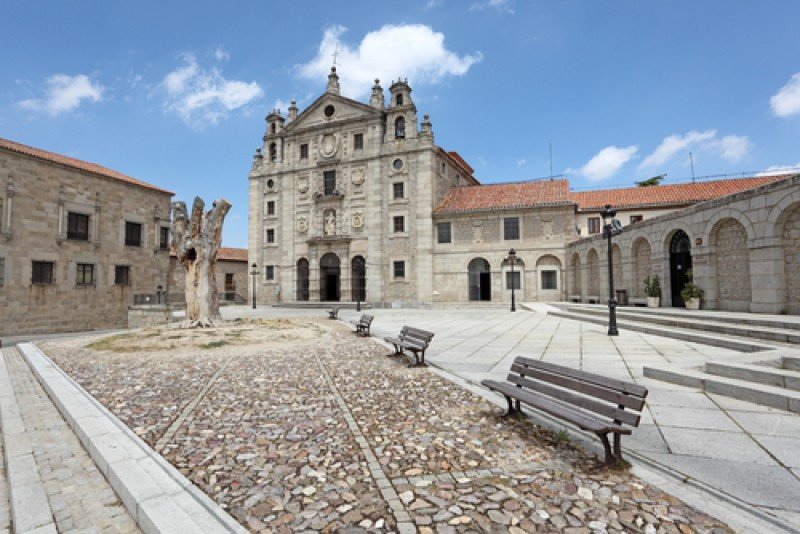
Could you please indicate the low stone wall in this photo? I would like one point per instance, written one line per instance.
(144, 315)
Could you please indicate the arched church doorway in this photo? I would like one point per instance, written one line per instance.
(480, 280)
(359, 274)
(302, 279)
(329, 277)
(680, 261)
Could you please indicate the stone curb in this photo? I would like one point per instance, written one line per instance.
(157, 496)
(30, 509)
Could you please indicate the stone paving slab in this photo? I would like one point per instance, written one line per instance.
(285, 451)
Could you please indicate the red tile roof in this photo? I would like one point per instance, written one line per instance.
(232, 254)
(76, 164)
(667, 195)
(505, 196)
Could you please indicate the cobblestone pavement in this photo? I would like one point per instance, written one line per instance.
(80, 497)
(332, 433)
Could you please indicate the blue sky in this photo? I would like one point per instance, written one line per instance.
(176, 93)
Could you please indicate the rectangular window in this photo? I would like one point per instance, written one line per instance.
(399, 190)
(636, 218)
(122, 275)
(549, 279)
(399, 224)
(511, 228)
(78, 226)
(594, 225)
(304, 151)
(270, 235)
(84, 275)
(2, 272)
(270, 207)
(270, 272)
(42, 272)
(399, 269)
(443, 233)
(163, 242)
(329, 179)
(358, 141)
(133, 234)
(513, 279)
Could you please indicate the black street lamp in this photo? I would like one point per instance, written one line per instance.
(254, 272)
(512, 256)
(611, 227)
(159, 287)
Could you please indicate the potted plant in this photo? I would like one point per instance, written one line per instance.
(691, 293)
(652, 288)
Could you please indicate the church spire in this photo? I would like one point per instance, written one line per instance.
(333, 82)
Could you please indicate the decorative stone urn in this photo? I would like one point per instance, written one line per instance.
(653, 302)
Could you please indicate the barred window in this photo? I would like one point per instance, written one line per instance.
(42, 272)
(399, 190)
(122, 275)
(329, 179)
(399, 269)
(78, 226)
(270, 235)
(133, 234)
(2, 272)
(511, 228)
(513, 280)
(358, 141)
(270, 207)
(85, 274)
(304, 151)
(270, 272)
(399, 224)
(163, 243)
(443, 234)
(594, 225)
(549, 280)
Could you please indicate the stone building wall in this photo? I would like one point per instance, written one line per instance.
(35, 199)
(642, 267)
(239, 270)
(763, 251)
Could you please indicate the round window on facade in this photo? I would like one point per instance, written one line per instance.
(270, 183)
(329, 111)
(397, 164)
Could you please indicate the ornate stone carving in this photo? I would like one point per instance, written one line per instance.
(302, 224)
(358, 219)
(329, 227)
(328, 145)
(357, 176)
(302, 183)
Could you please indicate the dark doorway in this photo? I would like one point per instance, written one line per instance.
(329, 275)
(230, 287)
(480, 280)
(359, 273)
(302, 279)
(680, 261)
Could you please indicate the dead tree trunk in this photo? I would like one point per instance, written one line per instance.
(196, 242)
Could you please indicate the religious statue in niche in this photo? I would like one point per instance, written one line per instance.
(330, 223)
(302, 224)
(358, 219)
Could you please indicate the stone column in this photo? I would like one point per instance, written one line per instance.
(767, 276)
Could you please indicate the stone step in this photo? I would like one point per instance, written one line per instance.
(29, 506)
(684, 334)
(322, 305)
(763, 374)
(706, 324)
(775, 397)
(790, 362)
(736, 318)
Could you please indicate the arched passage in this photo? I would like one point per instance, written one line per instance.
(548, 272)
(616, 260)
(680, 261)
(791, 255)
(593, 266)
(302, 279)
(329, 277)
(359, 278)
(732, 264)
(575, 274)
(480, 280)
(642, 265)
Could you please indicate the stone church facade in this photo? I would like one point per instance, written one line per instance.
(356, 202)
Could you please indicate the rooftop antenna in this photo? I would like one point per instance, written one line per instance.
(691, 162)
(550, 148)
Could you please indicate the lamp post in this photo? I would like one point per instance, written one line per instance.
(158, 293)
(254, 272)
(611, 227)
(512, 256)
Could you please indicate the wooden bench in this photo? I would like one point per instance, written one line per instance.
(413, 340)
(575, 298)
(363, 324)
(333, 313)
(589, 401)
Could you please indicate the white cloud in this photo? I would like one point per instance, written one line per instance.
(413, 51)
(732, 148)
(65, 93)
(787, 100)
(201, 97)
(607, 162)
(221, 55)
(502, 6)
(780, 169)
(521, 162)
